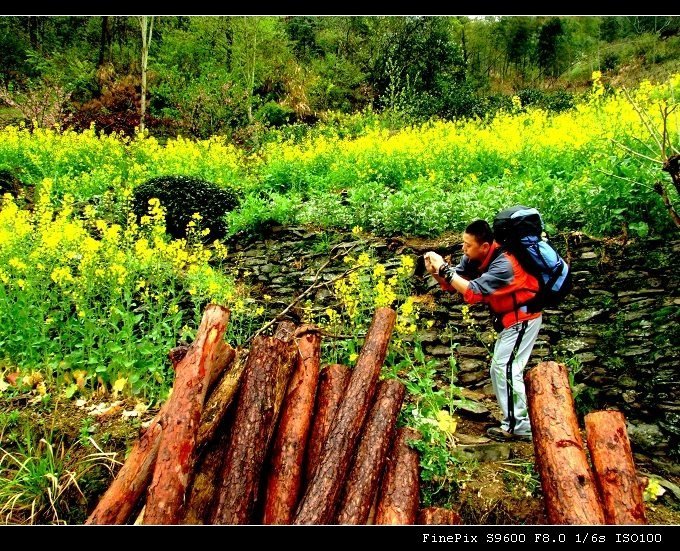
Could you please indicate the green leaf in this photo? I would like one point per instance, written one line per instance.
(640, 228)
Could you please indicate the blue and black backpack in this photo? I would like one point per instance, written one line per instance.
(519, 231)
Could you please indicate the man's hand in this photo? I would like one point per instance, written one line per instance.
(433, 262)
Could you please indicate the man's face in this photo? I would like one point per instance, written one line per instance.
(473, 249)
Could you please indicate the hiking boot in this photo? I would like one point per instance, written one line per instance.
(497, 433)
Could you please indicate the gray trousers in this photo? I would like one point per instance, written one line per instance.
(510, 357)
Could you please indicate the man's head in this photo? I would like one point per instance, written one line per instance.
(477, 240)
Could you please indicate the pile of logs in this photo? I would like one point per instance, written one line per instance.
(267, 437)
(299, 445)
(573, 494)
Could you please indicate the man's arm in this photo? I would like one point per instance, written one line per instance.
(434, 264)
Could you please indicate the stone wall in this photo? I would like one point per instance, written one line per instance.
(618, 331)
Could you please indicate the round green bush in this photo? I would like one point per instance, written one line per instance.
(182, 196)
(273, 114)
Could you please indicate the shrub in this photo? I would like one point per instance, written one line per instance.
(559, 100)
(116, 110)
(273, 114)
(41, 104)
(8, 183)
(183, 196)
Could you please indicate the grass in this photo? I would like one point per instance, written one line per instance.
(40, 478)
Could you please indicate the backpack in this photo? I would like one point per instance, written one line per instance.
(519, 231)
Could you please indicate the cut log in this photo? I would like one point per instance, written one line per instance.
(568, 485)
(219, 401)
(132, 480)
(364, 477)
(120, 499)
(177, 354)
(614, 468)
(178, 439)
(400, 489)
(285, 331)
(374, 508)
(438, 515)
(285, 476)
(321, 496)
(203, 492)
(332, 383)
(265, 378)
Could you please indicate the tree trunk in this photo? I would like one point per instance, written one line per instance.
(203, 487)
(320, 499)
(438, 515)
(400, 490)
(614, 468)
(219, 400)
(120, 499)
(568, 485)
(104, 41)
(283, 485)
(178, 440)
(118, 502)
(332, 383)
(265, 378)
(146, 24)
(364, 478)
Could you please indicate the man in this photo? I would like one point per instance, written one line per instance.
(488, 274)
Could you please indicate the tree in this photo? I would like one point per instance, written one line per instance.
(146, 24)
(549, 36)
(669, 155)
(418, 64)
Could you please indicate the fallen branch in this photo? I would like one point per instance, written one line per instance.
(304, 293)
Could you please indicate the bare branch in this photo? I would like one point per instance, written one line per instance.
(642, 142)
(315, 285)
(665, 112)
(661, 190)
(653, 132)
(626, 179)
(636, 152)
(664, 136)
(313, 329)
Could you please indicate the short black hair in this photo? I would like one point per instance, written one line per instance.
(481, 231)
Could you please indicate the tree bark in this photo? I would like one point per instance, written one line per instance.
(285, 476)
(120, 499)
(320, 499)
(176, 354)
(285, 331)
(147, 31)
(364, 478)
(265, 378)
(400, 490)
(219, 400)
(332, 383)
(438, 515)
(104, 41)
(568, 485)
(203, 487)
(614, 468)
(178, 439)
